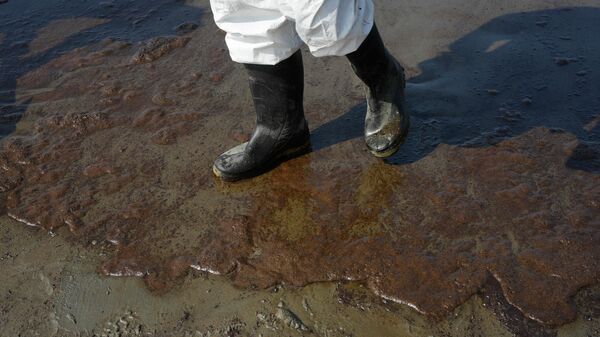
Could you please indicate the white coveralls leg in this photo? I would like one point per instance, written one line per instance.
(269, 31)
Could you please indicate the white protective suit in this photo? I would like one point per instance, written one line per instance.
(270, 31)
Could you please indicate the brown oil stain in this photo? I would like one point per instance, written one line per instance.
(157, 47)
(107, 159)
(58, 31)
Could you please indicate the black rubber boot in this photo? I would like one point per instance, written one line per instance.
(386, 122)
(281, 130)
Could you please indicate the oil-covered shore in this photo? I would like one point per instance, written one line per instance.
(111, 115)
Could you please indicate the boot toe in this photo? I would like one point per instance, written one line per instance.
(382, 145)
(231, 163)
(386, 141)
(379, 142)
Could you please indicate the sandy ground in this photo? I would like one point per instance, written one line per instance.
(101, 126)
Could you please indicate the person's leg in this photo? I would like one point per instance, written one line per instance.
(346, 27)
(259, 36)
(257, 32)
(330, 27)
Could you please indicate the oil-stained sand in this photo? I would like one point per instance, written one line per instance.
(60, 294)
(117, 142)
(50, 288)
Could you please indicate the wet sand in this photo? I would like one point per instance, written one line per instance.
(109, 137)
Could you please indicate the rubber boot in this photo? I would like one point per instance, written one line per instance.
(386, 122)
(281, 130)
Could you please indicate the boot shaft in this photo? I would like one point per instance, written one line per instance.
(278, 91)
(371, 61)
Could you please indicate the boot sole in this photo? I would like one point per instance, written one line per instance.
(395, 147)
(284, 156)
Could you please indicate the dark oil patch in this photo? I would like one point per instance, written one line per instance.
(120, 152)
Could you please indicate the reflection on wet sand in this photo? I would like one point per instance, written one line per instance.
(120, 149)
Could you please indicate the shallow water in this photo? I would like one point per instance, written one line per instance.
(118, 138)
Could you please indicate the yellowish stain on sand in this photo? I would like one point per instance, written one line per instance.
(293, 221)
